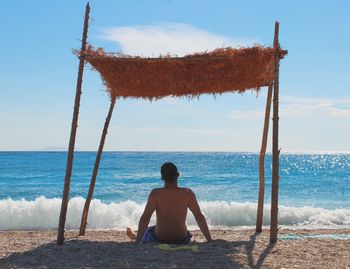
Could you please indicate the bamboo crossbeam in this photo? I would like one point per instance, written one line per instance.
(69, 166)
(95, 171)
(198, 57)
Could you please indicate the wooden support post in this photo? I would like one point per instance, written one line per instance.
(260, 212)
(275, 150)
(94, 174)
(69, 166)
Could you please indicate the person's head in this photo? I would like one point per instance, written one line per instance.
(169, 172)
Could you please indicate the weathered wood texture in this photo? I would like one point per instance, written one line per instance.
(260, 212)
(69, 166)
(95, 171)
(275, 150)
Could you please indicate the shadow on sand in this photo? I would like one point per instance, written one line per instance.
(81, 253)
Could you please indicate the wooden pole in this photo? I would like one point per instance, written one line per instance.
(260, 212)
(69, 166)
(94, 174)
(275, 150)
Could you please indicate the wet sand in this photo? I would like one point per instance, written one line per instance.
(112, 249)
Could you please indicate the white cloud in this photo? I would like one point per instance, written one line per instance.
(174, 38)
(246, 114)
(302, 110)
(171, 131)
(312, 100)
(336, 112)
(299, 107)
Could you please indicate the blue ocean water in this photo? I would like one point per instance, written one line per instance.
(314, 189)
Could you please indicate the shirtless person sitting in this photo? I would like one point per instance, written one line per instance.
(170, 204)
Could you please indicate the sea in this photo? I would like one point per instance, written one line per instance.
(314, 189)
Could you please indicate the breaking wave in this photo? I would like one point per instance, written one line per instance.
(43, 213)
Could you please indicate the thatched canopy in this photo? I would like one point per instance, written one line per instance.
(215, 72)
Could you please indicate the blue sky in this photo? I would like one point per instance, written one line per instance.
(38, 74)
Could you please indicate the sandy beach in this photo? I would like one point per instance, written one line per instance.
(112, 249)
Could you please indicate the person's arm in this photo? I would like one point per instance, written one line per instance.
(146, 216)
(200, 219)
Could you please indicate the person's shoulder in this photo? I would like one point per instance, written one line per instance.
(155, 191)
(187, 191)
(154, 194)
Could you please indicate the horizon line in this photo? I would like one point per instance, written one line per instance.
(184, 151)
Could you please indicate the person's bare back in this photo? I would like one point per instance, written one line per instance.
(171, 209)
(170, 204)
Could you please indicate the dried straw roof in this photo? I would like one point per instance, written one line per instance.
(215, 72)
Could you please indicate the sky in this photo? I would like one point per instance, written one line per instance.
(38, 73)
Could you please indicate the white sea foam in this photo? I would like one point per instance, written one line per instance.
(43, 213)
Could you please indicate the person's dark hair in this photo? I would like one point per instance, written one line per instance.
(169, 172)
